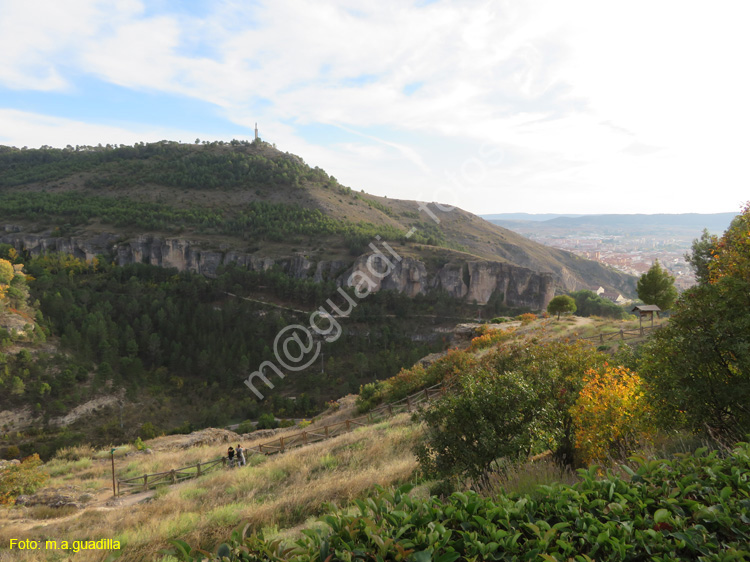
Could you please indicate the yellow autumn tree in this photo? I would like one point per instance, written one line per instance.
(6, 275)
(611, 415)
(731, 256)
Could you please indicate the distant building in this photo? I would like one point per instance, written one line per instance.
(614, 296)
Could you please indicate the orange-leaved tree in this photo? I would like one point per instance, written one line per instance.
(611, 414)
(731, 256)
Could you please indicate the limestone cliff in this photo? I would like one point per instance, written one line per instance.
(475, 280)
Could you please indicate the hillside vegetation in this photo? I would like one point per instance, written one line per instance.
(510, 396)
(169, 350)
(252, 198)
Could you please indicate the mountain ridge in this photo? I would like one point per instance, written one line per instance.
(210, 195)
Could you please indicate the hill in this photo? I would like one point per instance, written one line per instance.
(674, 224)
(196, 207)
(299, 502)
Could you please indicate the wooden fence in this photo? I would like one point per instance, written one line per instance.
(280, 445)
(148, 481)
(408, 404)
(622, 335)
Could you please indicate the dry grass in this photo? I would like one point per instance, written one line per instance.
(524, 478)
(75, 453)
(280, 492)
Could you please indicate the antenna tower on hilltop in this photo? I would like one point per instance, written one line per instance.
(256, 131)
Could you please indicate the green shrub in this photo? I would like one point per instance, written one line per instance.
(491, 416)
(24, 478)
(12, 452)
(182, 429)
(246, 426)
(370, 395)
(443, 488)
(148, 431)
(267, 421)
(692, 508)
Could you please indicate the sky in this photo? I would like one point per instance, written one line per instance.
(535, 106)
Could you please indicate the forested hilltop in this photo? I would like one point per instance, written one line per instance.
(253, 199)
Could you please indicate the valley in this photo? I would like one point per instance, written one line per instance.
(143, 286)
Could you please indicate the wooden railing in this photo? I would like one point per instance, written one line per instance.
(280, 445)
(621, 335)
(148, 481)
(408, 404)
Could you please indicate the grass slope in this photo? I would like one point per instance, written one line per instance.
(272, 493)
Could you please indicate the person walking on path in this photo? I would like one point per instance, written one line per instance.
(240, 455)
(230, 456)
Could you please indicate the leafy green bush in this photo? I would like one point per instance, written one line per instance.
(695, 507)
(246, 426)
(267, 421)
(182, 429)
(491, 416)
(370, 395)
(23, 478)
(413, 379)
(11, 452)
(148, 431)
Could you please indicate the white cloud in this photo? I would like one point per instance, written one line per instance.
(21, 128)
(597, 106)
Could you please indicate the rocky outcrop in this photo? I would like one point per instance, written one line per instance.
(56, 497)
(475, 280)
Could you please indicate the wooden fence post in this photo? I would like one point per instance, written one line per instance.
(173, 476)
(390, 409)
(326, 428)
(601, 338)
(260, 447)
(347, 425)
(427, 394)
(281, 441)
(224, 462)
(622, 334)
(408, 404)
(145, 482)
(199, 468)
(304, 437)
(369, 417)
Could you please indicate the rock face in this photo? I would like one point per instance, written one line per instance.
(475, 280)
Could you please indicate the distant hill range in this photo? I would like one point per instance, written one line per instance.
(199, 206)
(690, 222)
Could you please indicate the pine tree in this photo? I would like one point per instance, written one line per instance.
(656, 286)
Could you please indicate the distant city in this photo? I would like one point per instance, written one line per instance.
(628, 243)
